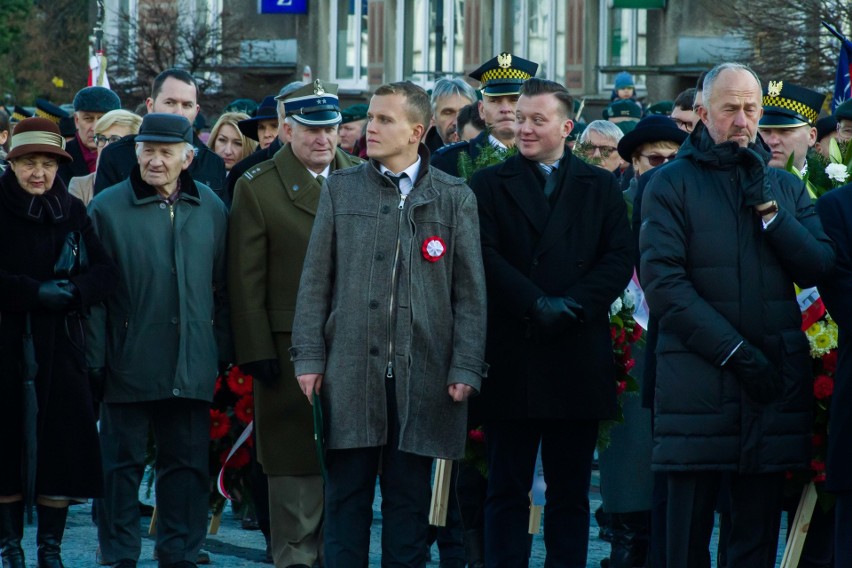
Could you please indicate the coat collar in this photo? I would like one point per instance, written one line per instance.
(145, 193)
(422, 191)
(299, 185)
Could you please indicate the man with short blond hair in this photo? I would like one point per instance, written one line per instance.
(387, 331)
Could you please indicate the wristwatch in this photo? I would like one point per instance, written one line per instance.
(773, 208)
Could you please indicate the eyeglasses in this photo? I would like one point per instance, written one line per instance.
(604, 150)
(656, 159)
(102, 141)
(685, 126)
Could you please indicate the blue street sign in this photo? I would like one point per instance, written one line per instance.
(282, 6)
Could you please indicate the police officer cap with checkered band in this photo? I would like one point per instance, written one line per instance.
(504, 75)
(789, 106)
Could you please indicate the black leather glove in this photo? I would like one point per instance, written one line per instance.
(758, 377)
(97, 383)
(552, 315)
(755, 183)
(56, 294)
(267, 371)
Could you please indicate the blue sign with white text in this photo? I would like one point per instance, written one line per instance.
(282, 6)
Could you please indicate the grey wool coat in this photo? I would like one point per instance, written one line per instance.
(352, 323)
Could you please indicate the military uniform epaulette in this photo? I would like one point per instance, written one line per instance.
(455, 145)
(258, 169)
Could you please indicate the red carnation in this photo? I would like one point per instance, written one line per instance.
(613, 331)
(818, 440)
(620, 387)
(637, 333)
(244, 409)
(220, 424)
(817, 465)
(476, 435)
(819, 478)
(239, 460)
(239, 382)
(629, 364)
(218, 386)
(829, 361)
(823, 387)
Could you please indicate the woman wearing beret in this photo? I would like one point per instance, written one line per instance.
(52, 268)
(627, 483)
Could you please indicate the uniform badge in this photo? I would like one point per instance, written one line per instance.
(433, 248)
(504, 60)
(318, 90)
(774, 88)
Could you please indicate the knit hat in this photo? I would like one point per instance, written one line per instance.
(624, 80)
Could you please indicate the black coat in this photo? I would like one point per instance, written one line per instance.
(581, 248)
(75, 168)
(835, 211)
(68, 450)
(446, 158)
(119, 158)
(714, 277)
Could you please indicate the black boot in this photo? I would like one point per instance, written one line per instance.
(11, 533)
(51, 527)
(630, 540)
(474, 548)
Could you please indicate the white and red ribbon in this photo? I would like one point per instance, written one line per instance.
(220, 482)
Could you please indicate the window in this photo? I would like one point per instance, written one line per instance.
(349, 42)
(433, 41)
(623, 40)
(542, 39)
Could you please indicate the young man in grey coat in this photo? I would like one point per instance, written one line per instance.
(389, 330)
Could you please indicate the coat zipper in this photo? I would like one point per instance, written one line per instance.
(391, 311)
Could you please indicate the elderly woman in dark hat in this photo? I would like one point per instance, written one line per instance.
(627, 483)
(52, 268)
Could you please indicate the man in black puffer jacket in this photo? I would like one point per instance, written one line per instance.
(724, 238)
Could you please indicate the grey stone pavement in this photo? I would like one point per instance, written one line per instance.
(234, 547)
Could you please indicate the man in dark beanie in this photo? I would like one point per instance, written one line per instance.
(90, 104)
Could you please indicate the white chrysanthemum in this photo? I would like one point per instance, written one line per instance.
(628, 300)
(615, 307)
(837, 172)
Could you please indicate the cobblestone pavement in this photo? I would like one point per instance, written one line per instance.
(234, 547)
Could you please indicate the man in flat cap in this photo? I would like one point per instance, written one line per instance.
(90, 104)
(352, 127)
(843, 114)
(174, 91)
(501, 79)
(263, 125)
(157, 343)
(271, 218)
(788, 124)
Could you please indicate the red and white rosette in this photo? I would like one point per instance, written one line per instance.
(433, 248)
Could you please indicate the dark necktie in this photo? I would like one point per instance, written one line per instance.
(396, 180)
(550, 177)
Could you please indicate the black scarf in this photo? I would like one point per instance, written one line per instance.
(52, 206)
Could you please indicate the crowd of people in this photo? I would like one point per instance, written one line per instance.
(399, 274)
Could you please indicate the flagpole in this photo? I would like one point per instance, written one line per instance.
(834, 31)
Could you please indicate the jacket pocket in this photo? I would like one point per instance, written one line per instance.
(688, 384)
(790, 352)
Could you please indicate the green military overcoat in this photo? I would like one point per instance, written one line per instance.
(271, 218)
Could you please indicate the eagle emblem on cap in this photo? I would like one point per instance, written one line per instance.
(504, 60)
(774, 88)
(318, 90)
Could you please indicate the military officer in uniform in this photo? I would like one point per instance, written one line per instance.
(501, 79)
(271, 219)
(788, 124)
